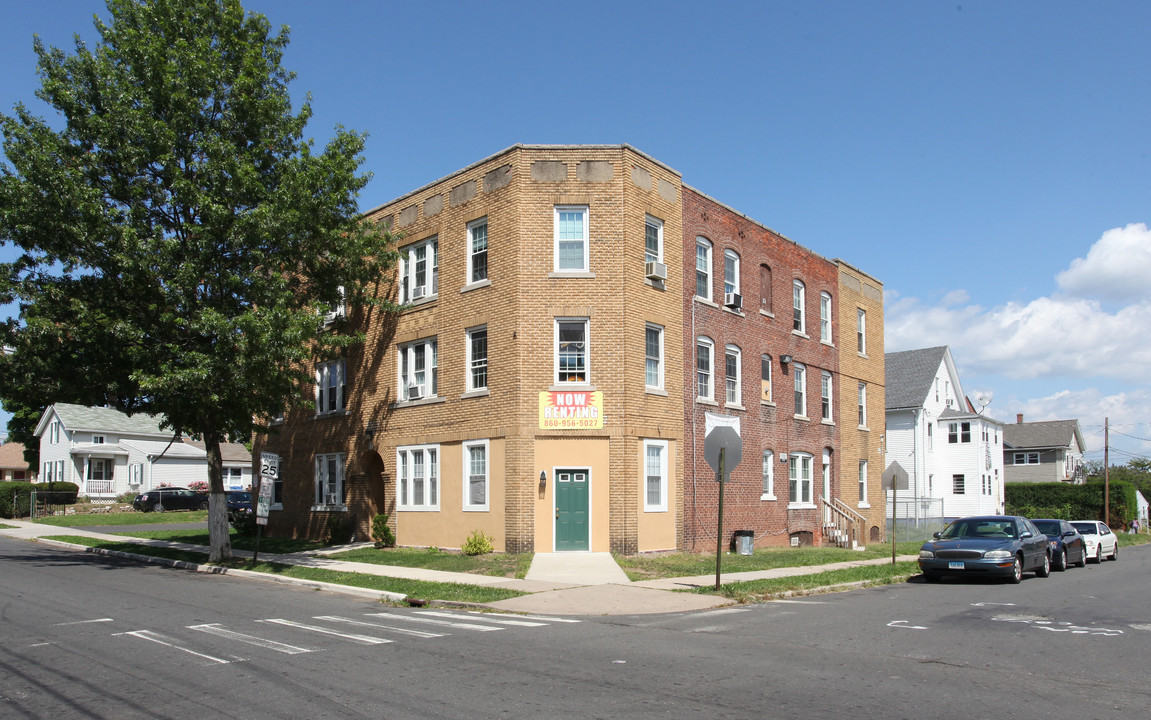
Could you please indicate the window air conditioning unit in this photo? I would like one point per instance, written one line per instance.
(414, 392)
(418, 293)
(331, 499)
(655, 271)
(733, 300)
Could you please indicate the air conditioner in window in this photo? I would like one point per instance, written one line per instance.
(331, 499)
(414, 392)
(655, 270)
(418, 293)
(733, 300)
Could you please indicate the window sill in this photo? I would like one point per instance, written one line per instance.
(655, 391)
(863, 355)
(864, 428)
(475, 286)
(827, 422)
(767, 313)
(572, 387)
(418, 509)
(733, 406)
(426, 300)
(733, 311)
(475, 394)
(801, 417)
(705, 401)
(768, 497)
(827, 343)
(332, 414)
(704, 301)
(571, 274)
(800, 333)
(864, 506)
(329, 508)
(800, 506)
(417, 403)
(657, 284)
(768, 403)
(476, 508)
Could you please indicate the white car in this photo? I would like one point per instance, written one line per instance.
(1098, 539)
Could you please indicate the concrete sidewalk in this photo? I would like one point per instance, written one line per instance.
(556, 583)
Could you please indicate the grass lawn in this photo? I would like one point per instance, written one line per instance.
(753, 590)
(494, 564)
(456, 592)
(200, 537)
(124, 518)
(1125, 540)
(7, 527)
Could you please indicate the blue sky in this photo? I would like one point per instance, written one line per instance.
(988, 161)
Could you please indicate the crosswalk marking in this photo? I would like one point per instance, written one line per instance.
(405, 631)
(485, 618)
(433, 621)
(169, 642)
(541, 618)
(219, 631)
(362, 639)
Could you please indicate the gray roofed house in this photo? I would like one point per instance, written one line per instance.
(909, 375)
(1046, 451)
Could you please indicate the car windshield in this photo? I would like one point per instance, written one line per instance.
(1085, 528)
(240, 497)
(1048, 528)
(979, 528)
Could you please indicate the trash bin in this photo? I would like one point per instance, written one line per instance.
(744, 541)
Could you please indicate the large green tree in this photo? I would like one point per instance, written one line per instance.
(178, 240)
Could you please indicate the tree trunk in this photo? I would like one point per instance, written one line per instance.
(218, 536)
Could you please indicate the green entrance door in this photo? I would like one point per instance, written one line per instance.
(571, 509)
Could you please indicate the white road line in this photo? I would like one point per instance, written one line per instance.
(405, 631)
(723, 611)
(362, 639)
(83, 622)
(169, 642)
(431, 621)
(218, 631)
(801, 602)
(541, 618)
(486, 617)
(903, 624)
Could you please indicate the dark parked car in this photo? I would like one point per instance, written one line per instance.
(986, 546)
(1064, 543)
(170, 498)
(238, 502)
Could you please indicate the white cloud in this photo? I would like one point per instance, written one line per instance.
(1116, 267)
(1126, 412)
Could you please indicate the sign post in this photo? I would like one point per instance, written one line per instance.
(723, 449)
(269, 472)
(895, 478)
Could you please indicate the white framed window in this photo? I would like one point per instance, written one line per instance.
(825, 396)
(652, 240)
(799, 317)
(477, 340)
(54, 432)
(655, 475)
(730, 272)
(331, 387)
(232, 476)
(571, 238)
(653, 357)
(768, 476)
(703, 268)
(476, 482)
(97, 439)
(861, 331)
(863, 407)
(704, 363)
(418, 477)
(958, 432)
(419, 270)
(765, 378)
(800, 478)
(418, 366)
(732, 375)
(100, 469)
(800, 373)
(477, 251)
(571, 351)
(863, 502)
(1026, 458)
(329, 481)
(337, 310)
(825, 317)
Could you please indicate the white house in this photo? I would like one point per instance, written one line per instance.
(107, 453)
(953, 456)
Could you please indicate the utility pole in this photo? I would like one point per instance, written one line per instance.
(1106, 471)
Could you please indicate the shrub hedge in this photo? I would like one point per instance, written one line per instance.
(1071, 502)
(15, 496)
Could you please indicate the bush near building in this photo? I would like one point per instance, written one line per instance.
(1072, 502)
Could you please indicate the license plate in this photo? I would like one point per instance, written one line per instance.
(954, 565)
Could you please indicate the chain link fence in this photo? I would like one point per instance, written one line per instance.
(916, 519)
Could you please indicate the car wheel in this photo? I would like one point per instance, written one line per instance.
(1082, 558)
(1098, 554)
(1017, 570)
(158, 507)
(1115, 553)
(1044, 570)
(1061, 561)
(204, 505)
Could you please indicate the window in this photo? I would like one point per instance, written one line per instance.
(861, 331)
(571, 351)
(730, 272)
(571, 238)
(800, 390)
(704, 355)
(825, 318)
(477, 359)
(54, 433)
(768, 476)
(331, 387)
(337, 310)
(418, 371)
(703, 268)
(97, 439)
(476, 475)
(765, 288)
(799, 476)
(765, 378)
(1026, 458)
(233, 476)
(863, 407)
(330, 480)
(418, 477)
(799, 321)
(99, 470)
(653, 357)
(863, 483)
(655, 475)
(959, 432)
(653, 240)
(731, 368)
(957, 482)
(825, 397)
(930, 437)
(419, 270)
(477, 251)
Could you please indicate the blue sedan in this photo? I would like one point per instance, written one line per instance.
(987, 546)
(1066, 543)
